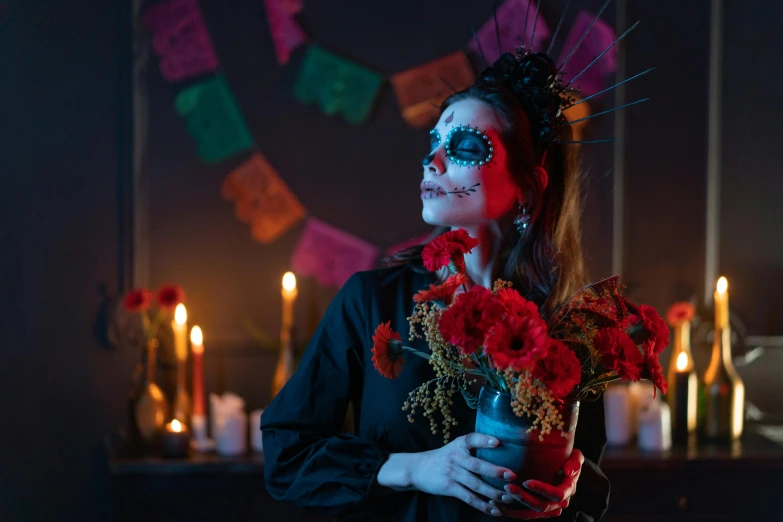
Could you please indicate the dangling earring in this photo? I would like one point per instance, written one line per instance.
(523, 219)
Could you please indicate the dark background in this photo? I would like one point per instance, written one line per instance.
(65, 165)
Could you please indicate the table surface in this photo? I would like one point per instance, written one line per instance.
(753, 449)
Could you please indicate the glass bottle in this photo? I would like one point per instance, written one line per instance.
(150, 408)
(683, 385)
(724, 392)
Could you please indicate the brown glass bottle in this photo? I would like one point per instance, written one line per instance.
(723, 392)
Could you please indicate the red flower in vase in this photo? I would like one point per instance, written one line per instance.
(619, 353)
(519, 341)
(443, 293)
(652, 367)
(387, 351)
(559, 370)
(652, 322)
(466, 323)
(680, 313)
(169, 296)
(138, 300)
(446, 248)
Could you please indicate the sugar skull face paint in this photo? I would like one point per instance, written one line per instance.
(465, 178)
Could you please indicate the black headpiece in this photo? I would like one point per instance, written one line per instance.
(536, 81)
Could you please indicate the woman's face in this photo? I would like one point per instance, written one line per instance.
(466, 182)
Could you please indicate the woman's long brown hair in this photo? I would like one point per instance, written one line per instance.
(545, 262)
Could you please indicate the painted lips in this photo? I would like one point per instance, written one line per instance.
(430, 190)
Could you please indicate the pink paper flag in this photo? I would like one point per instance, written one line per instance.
(181, 39)
(331, 255)
(418, 240)
(513, 34)
(287, 34)
(597, 41)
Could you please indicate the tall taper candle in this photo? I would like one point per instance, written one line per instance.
(721, 298)
(180, 327)
(197, 342)
(285, 360)
(181, 396)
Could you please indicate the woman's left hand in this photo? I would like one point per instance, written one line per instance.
(542, 500)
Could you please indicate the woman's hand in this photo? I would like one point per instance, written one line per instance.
(542, 500)
(449, 471)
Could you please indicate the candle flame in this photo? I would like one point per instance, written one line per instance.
(723, 285)
(682, 361)
(289, 281)
(180, 314)
(197, 339)
(176, 426)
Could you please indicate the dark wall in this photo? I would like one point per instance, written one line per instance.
(60, 144)
(63, 163)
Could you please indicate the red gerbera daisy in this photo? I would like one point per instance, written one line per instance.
(652, 367)
(169, 296)
(652, 323)
(466, 323)
(519, 341)
(559, 370)
(514, 304)
(138, 300)
(443, 293)
(387, 351)
(679, 313)
(619, 353)
(447, 248)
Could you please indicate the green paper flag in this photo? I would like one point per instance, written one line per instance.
(337, 85)
(213, 119)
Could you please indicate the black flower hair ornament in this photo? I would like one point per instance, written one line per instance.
(536, 81)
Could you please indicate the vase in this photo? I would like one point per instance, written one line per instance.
(519, 450)
(148, 406)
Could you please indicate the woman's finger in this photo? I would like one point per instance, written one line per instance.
(479, 440)
(462, 493)
(534, 502)
(557, 493)
(475, 484)
(527, 514)
(482, 467)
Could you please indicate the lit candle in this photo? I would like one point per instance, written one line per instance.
(197, 342)
(180, 327)
(721, 298)
(289, 297)
(176, 440)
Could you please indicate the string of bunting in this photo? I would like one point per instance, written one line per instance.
(338, 86)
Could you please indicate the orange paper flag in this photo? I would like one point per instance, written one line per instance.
(262, 199)
(421, 89)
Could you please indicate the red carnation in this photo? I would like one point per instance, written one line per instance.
(466, 323)
(169, 296)
(387, 351)
(443, 293)
(519, 341)
(652, 367)
(559, 370)
(652, 322)
(679, 313)
(138, 300)
(514, 304)
(619, 353)
(447, 248)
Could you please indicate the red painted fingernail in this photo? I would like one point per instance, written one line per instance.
(508, 475)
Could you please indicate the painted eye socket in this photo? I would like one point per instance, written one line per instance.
(467, 146)
(434, 138)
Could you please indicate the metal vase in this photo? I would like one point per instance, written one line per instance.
(519, 450)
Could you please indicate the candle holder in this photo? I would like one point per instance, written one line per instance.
(175, 442)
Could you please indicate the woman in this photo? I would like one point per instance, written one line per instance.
(496, 168)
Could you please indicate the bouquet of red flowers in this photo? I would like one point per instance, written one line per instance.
(498, 338)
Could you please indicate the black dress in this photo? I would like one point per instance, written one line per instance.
(307, 459)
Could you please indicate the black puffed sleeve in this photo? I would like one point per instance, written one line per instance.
(307, 460)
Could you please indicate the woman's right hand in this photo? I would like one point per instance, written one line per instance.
(453, 472)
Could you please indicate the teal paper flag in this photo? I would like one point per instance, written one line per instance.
(337, 85)
(213, 119)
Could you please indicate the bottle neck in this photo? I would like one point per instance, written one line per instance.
(681, 344)
(721, 347)
(152, 347)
